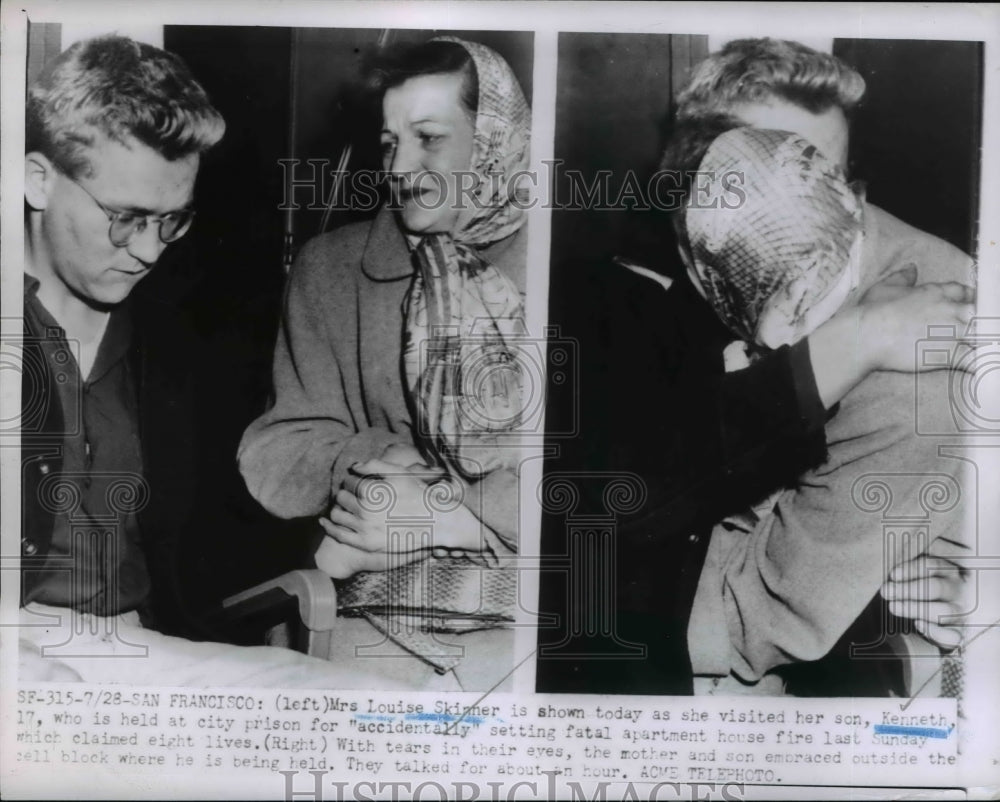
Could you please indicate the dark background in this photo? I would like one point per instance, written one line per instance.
(917, 134)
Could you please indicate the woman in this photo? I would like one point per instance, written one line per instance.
(367, 394)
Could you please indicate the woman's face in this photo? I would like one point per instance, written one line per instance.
(427, 150)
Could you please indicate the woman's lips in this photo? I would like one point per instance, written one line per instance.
(409, 195)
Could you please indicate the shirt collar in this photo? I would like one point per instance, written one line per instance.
(117, 335)
(115, 343)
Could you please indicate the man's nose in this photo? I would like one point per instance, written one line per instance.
(146, 245)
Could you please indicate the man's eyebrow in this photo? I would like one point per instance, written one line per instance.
(145, 212)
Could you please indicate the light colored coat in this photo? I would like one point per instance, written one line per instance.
(338, 381)
(787, 591)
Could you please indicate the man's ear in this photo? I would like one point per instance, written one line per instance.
(39, 178)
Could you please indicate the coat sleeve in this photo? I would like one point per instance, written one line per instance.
(792, 587)
(293, 455)
(646, 399)
(705, 442)
(495, 501)
(650, 399)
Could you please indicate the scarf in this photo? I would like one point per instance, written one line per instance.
(461, 358)
(776, 240)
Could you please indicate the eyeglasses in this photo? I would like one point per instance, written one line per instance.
(126, 226)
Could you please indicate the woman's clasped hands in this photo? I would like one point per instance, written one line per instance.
(395, 510)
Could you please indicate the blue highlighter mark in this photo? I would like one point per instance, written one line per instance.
(371, 717)
(919, 732)
(443, 718)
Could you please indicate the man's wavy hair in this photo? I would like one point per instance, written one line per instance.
(754, 70)
(750, 71)
(123, 90)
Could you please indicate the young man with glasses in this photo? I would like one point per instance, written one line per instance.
(115, 134)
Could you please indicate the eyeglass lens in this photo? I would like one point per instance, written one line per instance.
(172, 226)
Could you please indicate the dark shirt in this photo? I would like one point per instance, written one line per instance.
(651, 408)
(95, 561)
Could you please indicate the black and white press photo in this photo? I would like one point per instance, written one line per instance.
(430, 399)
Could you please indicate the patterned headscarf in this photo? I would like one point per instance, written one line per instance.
(460, 355)
(776, 239)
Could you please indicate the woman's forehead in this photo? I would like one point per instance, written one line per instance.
(436, 97)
